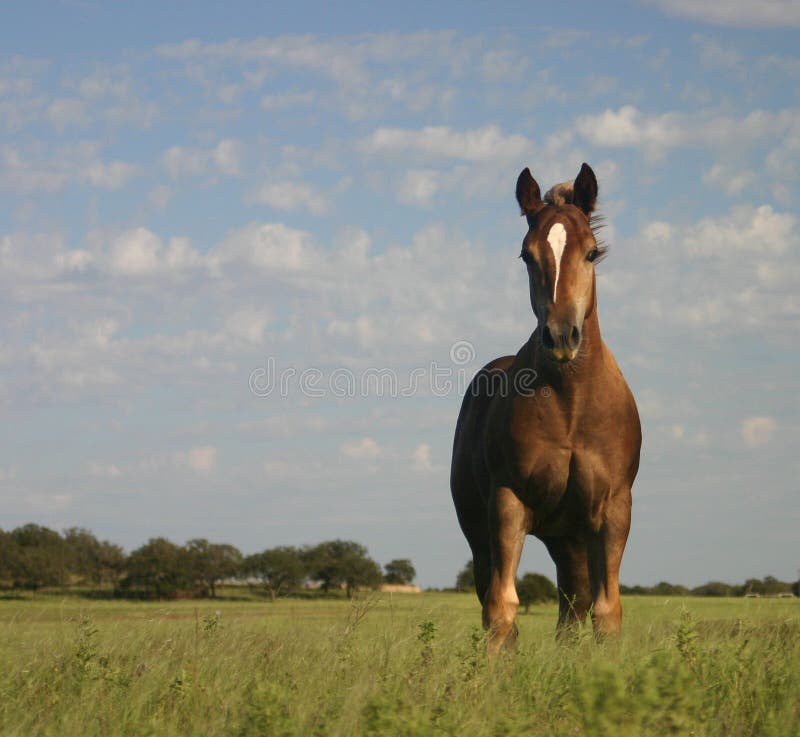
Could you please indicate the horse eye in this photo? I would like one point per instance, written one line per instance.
(592, 255)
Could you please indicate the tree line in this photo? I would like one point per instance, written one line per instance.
(33, 557)
(767, 586)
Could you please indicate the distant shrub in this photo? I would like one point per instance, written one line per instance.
(534, 588)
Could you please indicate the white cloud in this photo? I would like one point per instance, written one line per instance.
(40, 169)
(73, 259)
(248, 324)
(478, 144)
(715, 54)
(29, 255)
(103, 470)
(227, 156)
(421, 458)
(783, 161)
(416, 96)
(143, 254)
(773, 232)
(307, 52)
(78, 363)
(419, 187)
(502, 65)
(38, 256)
(364, 449)
(628, 127)
(140, 252)
(270, 246)
(113, 175)
(110, 94)
(106, 82)
(20, 174)
(202, 459)
(187, 161)
(180, 255)
(757, 431)
(699, 439)
(784, 64)
(288, 100)
(159, 197)
(346, 60)
(64, 112)
(731, 180)
(180, 161)
(289, 196)
(719, 276)
(136, 251)
(747, 14)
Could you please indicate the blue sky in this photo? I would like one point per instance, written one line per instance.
(191, 194)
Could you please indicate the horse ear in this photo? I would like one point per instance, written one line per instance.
(529, 195)
(585, 190)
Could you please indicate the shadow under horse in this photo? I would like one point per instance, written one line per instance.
(547, 442)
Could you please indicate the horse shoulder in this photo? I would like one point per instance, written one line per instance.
(527, 449)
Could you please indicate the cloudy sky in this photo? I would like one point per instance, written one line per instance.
(220, 230)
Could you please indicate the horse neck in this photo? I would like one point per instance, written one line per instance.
(583, 368)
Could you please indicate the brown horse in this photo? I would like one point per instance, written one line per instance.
(547, 441)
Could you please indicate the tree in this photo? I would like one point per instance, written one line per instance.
(633, 590)
(714, 588)
(279, 569)
(767, 585)
(93, 561)
(343, 563)
(210, 563)
(772, 585)
(8, 558)
(663, 588)
(399, 571)
(158, 569)
(465, 581)
(41, 558)
(534, 588)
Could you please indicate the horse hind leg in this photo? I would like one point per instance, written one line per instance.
(471, 512)
(482, 566)
(574, 589)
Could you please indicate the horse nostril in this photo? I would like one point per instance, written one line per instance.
(547, 338)
(574, 337)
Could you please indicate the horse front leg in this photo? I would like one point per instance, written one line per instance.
(605, 556)
(509, 522)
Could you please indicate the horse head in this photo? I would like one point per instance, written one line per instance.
(560, 251)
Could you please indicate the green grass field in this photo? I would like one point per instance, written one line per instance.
(393, 665)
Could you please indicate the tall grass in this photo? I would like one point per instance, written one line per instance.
(398, 665)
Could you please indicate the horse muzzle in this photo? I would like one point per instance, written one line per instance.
(563, 341)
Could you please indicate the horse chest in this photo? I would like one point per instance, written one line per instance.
(559, 470)
(564, 486)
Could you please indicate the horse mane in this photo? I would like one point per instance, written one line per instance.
(563, 194)
(560, 194)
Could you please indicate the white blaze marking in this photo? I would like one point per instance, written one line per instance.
(557, 238)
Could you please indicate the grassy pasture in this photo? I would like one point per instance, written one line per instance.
(394, 665)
